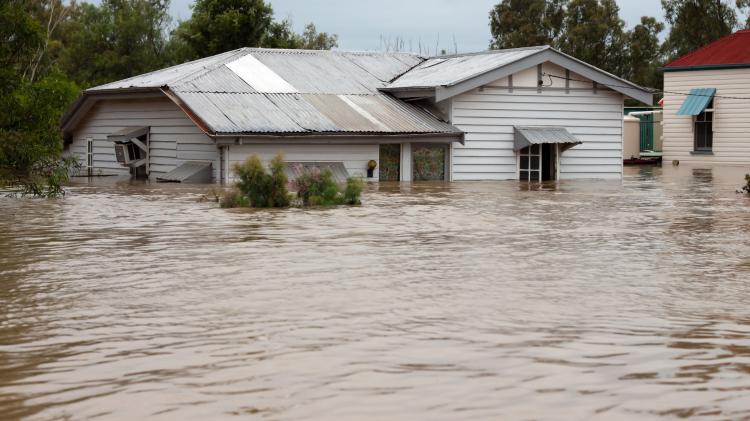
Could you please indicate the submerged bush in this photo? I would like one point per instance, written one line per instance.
(318, 188)
(259, 188)
(746, 187)
(234, 199)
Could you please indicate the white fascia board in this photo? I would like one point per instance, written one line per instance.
(563, 60)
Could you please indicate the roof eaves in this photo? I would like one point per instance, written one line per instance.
(704, 67)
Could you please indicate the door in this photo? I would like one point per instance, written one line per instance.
(530, 163)
(538, 162)
(390, 162)
(428, 162)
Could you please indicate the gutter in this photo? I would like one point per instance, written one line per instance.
(704, 67)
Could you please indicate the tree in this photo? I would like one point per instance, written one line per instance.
(695, 23)
(523, 23)
(281, 35)
(217, 26)
(742, 5)
(116, 40)
(34, 98)
(644, 53)
(593, 32)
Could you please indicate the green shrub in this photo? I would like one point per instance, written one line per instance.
(259, 188)
(234, 199)
(354, 187)
(318, 188)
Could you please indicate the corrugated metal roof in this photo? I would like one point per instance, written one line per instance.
(171, 75)
(733, 49)
(251, 91)
(450, 70)
(531, 135)
(696, 101)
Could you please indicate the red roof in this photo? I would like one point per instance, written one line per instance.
(731, 50)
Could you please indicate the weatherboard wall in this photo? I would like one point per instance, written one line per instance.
(488, 114)
(354, 156)
(731, 143)
(173, 137)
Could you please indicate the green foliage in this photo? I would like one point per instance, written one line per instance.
(695, 23)
(115, 40)
(318, 188)
(523, 23)
(234, 199)
(645, 56)
(263, 190)
(353, 190)
(746, 187)
(217, 26)
(281, 35)
(34, 98)
(595, 34)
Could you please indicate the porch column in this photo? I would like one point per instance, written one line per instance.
(405, 162)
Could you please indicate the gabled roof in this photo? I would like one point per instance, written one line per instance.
(452, 75)
(255, 91)
(731, 51)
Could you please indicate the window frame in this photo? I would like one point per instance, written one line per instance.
(706, 125)
(89, 155)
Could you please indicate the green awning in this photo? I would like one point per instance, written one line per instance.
(696, 101)
(529, 135)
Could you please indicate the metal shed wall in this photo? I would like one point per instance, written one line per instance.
(488, 115)
(174, 138)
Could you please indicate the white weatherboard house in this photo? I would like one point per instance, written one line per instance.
(530, 114)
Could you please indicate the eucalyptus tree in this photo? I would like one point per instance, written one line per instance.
(522, 23)
(695, 23)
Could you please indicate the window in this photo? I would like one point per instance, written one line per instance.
(89, 156)
(530, 163)
(703, 130)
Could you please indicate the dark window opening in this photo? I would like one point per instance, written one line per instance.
(703, 130)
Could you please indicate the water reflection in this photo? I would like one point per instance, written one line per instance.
(465, 300)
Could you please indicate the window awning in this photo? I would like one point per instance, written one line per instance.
(697, 101)
(527, 135)
(127, 133)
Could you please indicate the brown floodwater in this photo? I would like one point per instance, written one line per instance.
(487, 300)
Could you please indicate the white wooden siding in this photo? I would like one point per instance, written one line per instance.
(731, 142)
(173, 138)
(354, 156)
(487, 116)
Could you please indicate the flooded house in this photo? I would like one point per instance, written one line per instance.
(530, 114)
(706, 102)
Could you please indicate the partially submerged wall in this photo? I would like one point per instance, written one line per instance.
(173, 137)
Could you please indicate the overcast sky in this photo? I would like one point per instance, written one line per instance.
(360, 23)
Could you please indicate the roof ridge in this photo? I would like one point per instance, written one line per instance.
(503, 50)
(338, 52)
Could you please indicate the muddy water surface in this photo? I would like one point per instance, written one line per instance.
(464, 301)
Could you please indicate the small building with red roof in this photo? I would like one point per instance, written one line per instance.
(707, 104)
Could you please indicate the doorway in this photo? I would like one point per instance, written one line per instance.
(538, 162)
(390, 162)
